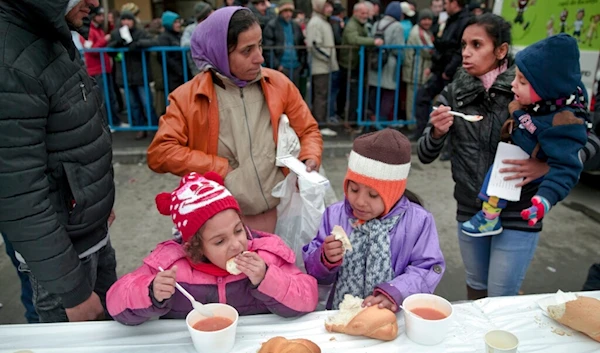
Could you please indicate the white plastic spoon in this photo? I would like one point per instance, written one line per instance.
(195, 304)
(471, 118)
(408, 311)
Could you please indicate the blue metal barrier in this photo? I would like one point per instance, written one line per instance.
(149, 109)
(162, 51)
(361, 112)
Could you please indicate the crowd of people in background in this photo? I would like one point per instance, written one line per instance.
(319, 53)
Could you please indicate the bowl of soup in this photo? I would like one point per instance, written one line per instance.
(434, 318)
(213, 334)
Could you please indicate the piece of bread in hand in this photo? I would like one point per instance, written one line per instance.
(339, 234)
(231, 266)
(282, 345)
(372, 321)
(582, 314)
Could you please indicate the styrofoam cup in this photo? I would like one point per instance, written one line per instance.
(221, 341)
(427, 332)
(500, 341)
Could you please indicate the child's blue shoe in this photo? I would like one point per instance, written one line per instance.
(479, 226)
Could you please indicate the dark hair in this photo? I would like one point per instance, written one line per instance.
(461, 3)
(240, 22)
(496, 27)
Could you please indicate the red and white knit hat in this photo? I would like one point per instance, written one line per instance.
(381, 160)
(197, 199)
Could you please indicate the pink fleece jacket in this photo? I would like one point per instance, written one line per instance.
(284, 291)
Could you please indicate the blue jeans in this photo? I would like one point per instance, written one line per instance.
(110, 103)
(137, 104)
(497, 263)
(26, 291)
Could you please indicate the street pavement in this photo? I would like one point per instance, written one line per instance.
(569, 243)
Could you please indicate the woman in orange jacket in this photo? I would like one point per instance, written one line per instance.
(226, 118)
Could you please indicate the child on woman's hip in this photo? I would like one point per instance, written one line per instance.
(395, 246)
(548, 121)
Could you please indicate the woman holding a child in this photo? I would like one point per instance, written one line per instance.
(497, 252)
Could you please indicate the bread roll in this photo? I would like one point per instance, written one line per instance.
(339, 234)
(283, 345)
(373, 322)
(231, 266)
(582, 314)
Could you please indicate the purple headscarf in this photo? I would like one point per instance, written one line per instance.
(209, 43)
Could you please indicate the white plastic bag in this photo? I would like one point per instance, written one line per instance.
(299, 212)
(287, 140)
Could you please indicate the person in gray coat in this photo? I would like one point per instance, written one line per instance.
(389, 78)
(56, 177)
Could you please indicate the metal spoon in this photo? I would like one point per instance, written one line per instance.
(408, 311)
(471, 118)
(195, 304)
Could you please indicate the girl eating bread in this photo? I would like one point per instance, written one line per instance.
(394, 248)
(262, 279)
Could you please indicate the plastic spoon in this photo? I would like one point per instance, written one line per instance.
(471, 118)
(408, 311)
(195, 304)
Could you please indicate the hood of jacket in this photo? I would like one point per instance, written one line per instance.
(43, 18)
(209, 43)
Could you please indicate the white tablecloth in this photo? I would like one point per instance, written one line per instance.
(519, 315)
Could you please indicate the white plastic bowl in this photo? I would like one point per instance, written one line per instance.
(221, 341)
(427, 332)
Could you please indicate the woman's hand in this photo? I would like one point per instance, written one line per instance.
(163, 285)
(530, 169)
(380, 300)
(311, 165)
(441, 121)
(253, 266)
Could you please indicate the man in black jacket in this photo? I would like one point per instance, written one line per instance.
(56, 179)
(284, 32)
(446, 60)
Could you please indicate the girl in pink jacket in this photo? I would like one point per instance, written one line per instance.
(208, 218)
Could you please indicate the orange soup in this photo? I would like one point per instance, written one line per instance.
(212, 324)
(429, 313)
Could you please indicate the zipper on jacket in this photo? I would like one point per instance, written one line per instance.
(82, 86)
(251, 152)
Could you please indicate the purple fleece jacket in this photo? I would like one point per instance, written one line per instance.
(417, 259)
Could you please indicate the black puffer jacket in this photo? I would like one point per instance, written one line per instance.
(447, 54)
(474, 144)
(56, 180)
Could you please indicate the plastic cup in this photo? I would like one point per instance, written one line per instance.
(422, 331)
(500, 341)
(221, 341)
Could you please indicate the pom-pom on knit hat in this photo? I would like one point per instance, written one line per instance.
(197, 199)
(381, 160)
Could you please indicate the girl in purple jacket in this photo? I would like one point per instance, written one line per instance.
(208, 218)
(395, 244)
